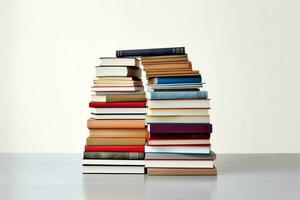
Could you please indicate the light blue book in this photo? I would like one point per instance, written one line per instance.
(178, 95)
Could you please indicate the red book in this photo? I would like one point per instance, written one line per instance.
(114, 148)
(128, 104)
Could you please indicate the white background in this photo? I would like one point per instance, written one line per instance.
(247, 52)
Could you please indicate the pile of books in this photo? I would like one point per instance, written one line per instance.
(117, 131)
(177, 114)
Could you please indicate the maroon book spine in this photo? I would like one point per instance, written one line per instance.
(180, 128)
(129, 104)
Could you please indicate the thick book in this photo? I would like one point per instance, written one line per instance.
(177, 111)
(117, 104)
(114, 155)
(186, 103)
(200, 149)
(120, 110)
(114, 148)
(118, 89)
(187, 142)
(117, 116)
(177, 119)
(178, 95)
(112, 162)
(174, 156)
(113, 124)
(118, 71)
(173, 80)
(103, 169)
(182, 171)
(115, 141)
(97, 84)
(150, 52)
(122, 133)
(179, 128)
(118, 97)
(111, 61)
(181, 164)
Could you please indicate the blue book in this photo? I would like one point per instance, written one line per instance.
(177, 79)
(179, 95)
(151, 52)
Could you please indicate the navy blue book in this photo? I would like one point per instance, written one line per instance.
(176, 80)
(151, 52)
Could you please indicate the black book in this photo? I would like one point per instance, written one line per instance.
(151, 52)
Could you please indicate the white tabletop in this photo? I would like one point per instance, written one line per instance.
(58, 176)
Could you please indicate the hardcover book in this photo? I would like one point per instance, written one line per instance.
(115, 148)
(151, 52)
(179, 128)
(114, 155)
(124, 124)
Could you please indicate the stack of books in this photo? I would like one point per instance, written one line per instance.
(117, 131)
(177, 114)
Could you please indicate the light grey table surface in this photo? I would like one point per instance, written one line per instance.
(58, 176)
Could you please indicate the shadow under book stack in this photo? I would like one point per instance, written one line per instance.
(177, 114)
(117, 131)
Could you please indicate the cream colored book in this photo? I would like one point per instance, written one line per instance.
(177, 112)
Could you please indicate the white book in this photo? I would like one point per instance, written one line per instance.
(111, 61)
(178, 149)
(112, 162)
(113, 169)
(176, 112)
(190, 103)
(180, 164)
(117, 89)
(118, 71)
(178, 119)
(118, 110)
(94, 116)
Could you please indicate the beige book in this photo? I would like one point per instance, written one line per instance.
(115, 141)
(118, 97)
(112, 133)
(182, 171)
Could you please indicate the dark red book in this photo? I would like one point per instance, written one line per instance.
(179, 136)
(179, 128)
(132, 104)
(91, 148)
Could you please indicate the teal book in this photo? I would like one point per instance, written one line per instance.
(178, 95)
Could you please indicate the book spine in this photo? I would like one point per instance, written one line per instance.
(114, 155)
(179, 95)
(151, 52)
(95, 104)
(180, 79)
(115, 148)
(180, 128)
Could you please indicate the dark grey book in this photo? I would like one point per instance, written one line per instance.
(114, 155)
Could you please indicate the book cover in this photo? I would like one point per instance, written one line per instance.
(179, 128)
(99, 124)
(151, 52)
(121, 133)
(115, 148)
(182, 171)
(115, 141)
(178, 95)
(114, 155)
(179, 79)
(94, 104)
(174, 156)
